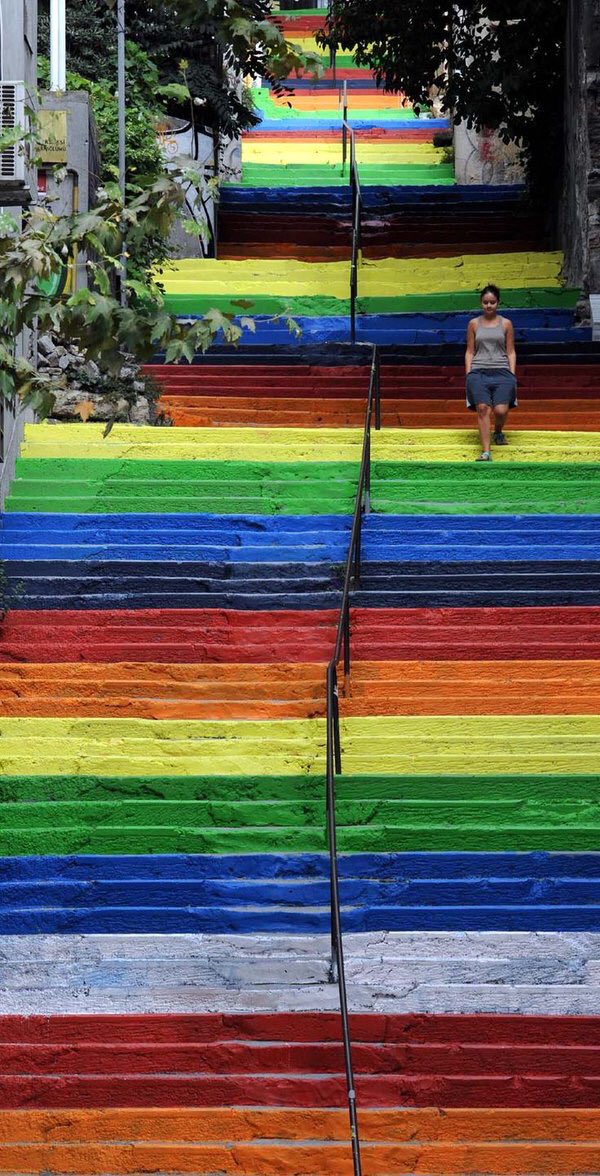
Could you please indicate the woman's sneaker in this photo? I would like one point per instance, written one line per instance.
(500, 438)
(485, 456)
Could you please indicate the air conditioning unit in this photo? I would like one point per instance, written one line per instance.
(13, 159)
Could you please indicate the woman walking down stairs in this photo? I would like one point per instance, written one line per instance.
(165, 998)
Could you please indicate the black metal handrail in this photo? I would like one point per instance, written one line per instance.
(362, 506)
(348, 134)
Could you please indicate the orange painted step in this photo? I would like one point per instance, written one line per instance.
(329, 100)
(565, 1159)
(509, 687)
(301, 1143)
(152, 690)
(192, 409)
(163, 691)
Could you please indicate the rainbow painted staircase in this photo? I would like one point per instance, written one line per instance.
(166, 1002)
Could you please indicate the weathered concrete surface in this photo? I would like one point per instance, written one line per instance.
(580, 224)
(529, 972)
(480, 157)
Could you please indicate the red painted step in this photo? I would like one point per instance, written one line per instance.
(212, 1060)
(427, 1028)
(540, 382)
(227, 635)
(523, 1090)
(218, 1058)
(390, 134)
(371, 252)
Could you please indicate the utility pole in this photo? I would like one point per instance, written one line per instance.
(119, 6)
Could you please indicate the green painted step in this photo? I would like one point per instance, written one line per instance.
(114, 486)
(427, 818)
(322, 306)
(447, 488)
(171, 487)
(304, 175)
(240, 814)
(378, 115)
(430, 833)
(538, 789)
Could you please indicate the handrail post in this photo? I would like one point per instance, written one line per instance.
(357, 555)
(367, 499)
(377, 364)
(345, 101)
(337, 746)
(347, 639)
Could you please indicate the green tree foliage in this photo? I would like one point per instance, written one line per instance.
(495, 65)
(92, 318)
(144, 158)
(218, 39)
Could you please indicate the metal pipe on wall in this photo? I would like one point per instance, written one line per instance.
(58, 45)
(121, 95)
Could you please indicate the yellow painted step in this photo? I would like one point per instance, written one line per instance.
(190, 444)
(479, 745)
(273, 151)
(390, 277)
(463, 445)
(310, 445)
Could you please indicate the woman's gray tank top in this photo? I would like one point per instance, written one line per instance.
(490, 346)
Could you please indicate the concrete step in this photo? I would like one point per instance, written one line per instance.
(298, 691)
(423, 973)
(205, 635)
(302, 1142)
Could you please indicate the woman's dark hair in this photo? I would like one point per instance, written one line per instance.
(491, 289)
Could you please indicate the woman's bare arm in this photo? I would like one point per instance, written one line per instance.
(510, 347)
(470, 352)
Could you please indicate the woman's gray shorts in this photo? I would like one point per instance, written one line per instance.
(491, 386)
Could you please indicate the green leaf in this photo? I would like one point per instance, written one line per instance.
(175, 90)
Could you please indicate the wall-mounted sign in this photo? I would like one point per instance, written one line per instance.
(52, 136)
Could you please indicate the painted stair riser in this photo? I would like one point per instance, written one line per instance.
(223, 1059)
(296, 691)
(297, 445)
(185, 409)
(574, 1159)
(164, 889)
(391, 973)
(28, 539)
(416, 381)
(79, 485)
(229, 1124)
(207, 635)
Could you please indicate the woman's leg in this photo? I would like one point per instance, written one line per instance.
(501, 412)
(505, 393)
(484, 424)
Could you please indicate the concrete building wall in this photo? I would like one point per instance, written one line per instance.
(18, 35)
(18, 62)
(480, 157)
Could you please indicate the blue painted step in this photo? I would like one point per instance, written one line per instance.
(375, 329)
(289, 586)
(359, 124)
(341, 352)
(264, 893)
(375, 197)
(383, 866)
(255, 539)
